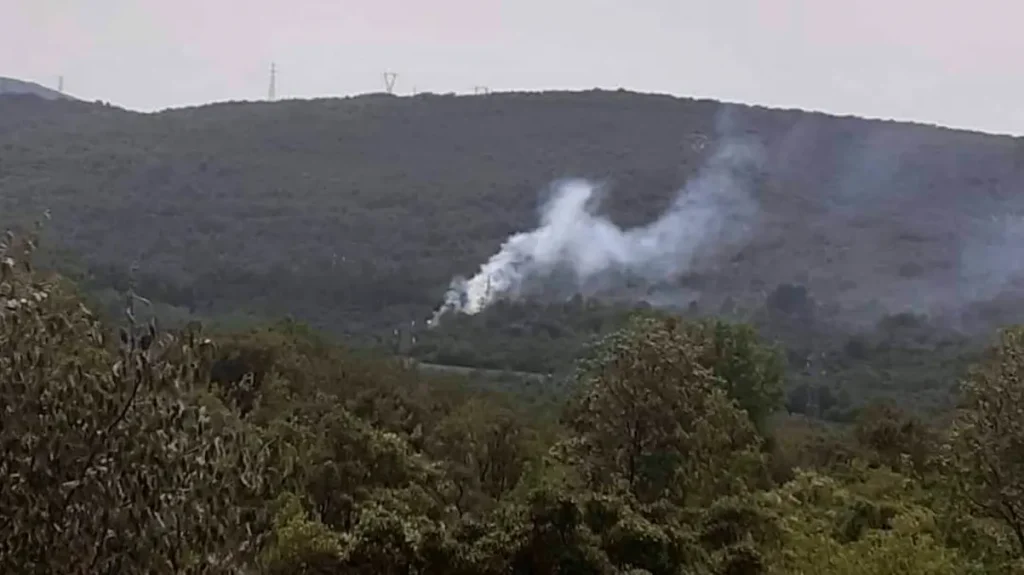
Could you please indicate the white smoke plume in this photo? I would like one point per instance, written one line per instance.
(712, 212)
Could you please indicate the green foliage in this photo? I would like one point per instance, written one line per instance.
(896, 438)
(753, 373)
(987, 438)
(486, 450)
(653, 421)
(110, 461)
(274, 450)
(869, 525)
(300, 543)
(798, 443)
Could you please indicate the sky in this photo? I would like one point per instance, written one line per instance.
(948, 62)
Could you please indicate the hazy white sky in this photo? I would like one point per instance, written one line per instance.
(952, 62)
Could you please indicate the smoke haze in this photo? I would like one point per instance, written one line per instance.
(714, 212)
(872, 219)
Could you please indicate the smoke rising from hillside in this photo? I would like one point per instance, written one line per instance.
(711, 213)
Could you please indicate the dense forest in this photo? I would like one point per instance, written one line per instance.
(667, 450)
(881, 256)
(353, 214)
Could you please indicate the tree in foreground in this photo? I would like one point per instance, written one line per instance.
(111, 457)
(986, 445)
(874, 523)
(653, 421)
(751, 371)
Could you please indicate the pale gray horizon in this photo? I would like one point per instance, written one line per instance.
(947, 62)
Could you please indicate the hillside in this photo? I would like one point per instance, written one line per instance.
(11, 86)
(364, 208)
(353, 214)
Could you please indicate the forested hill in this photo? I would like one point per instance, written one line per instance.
(13, 87)
(355, 213)
(673, 447)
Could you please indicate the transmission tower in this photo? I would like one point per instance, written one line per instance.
(481, 90)
(272, 92)
(389, 82)
(60, 84)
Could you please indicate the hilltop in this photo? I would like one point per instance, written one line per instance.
(11, 86)
(354, 213)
